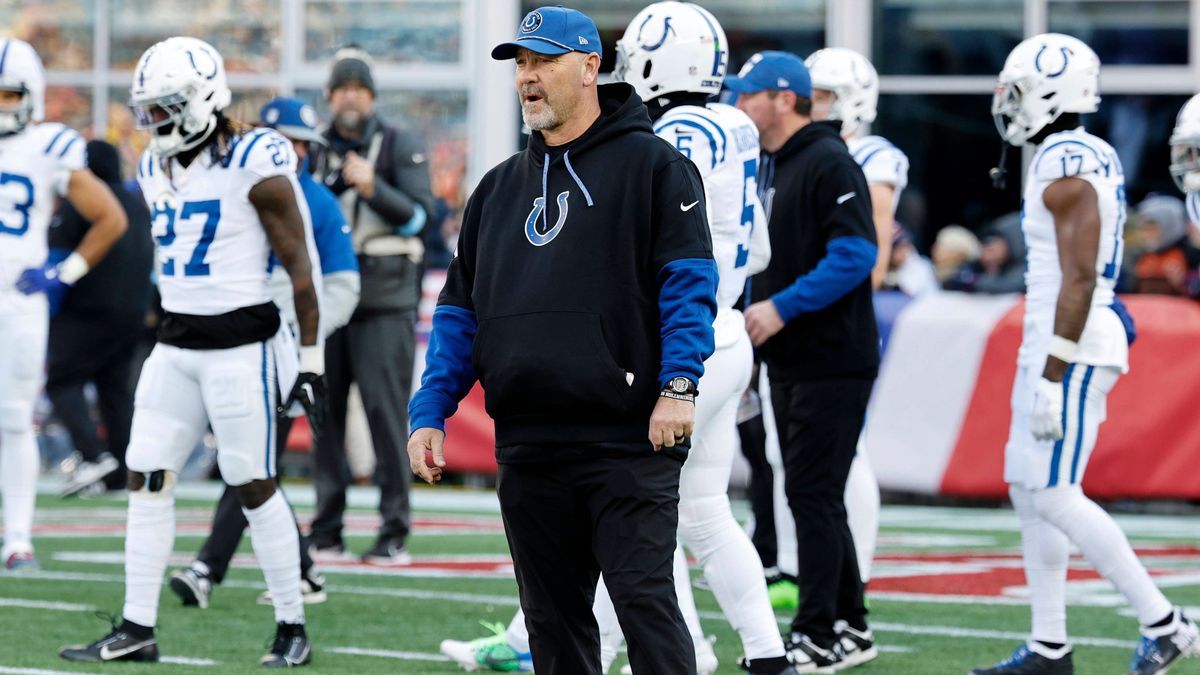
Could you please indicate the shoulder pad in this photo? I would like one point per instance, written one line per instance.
(1066, 155)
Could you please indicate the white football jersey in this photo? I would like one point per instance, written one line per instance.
(1193, 208)
(723, 144)
(881, 162)
(212, 253)
(35, 169)
(1081, 155)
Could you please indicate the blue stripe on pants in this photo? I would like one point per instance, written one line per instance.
(1087, 377)
(267, 406)
(1057, 456)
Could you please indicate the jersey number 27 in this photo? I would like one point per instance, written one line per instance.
(195, 266)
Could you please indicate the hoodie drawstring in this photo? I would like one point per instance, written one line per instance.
(545, 202)
(567, 160)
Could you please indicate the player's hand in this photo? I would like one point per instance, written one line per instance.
(1046, 420)
(671, 422)
(359, 174)
(762, 321)
(427, 440)
(309, 392)
(42, 279)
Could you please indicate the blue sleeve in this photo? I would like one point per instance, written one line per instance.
(330, 233)
(687, 307)
(449, 374)
(847, 263)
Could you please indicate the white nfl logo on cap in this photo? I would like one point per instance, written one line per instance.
(783, 84)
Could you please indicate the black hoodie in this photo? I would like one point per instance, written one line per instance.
(582, 309)
(117, 290)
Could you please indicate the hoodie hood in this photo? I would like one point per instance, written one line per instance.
(104, 162)
(621, 112)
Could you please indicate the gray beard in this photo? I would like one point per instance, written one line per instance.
(547, 120)
(350, 122)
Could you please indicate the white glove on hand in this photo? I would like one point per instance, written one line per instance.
(1046, 420)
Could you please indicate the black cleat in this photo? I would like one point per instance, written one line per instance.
(855, 647)
(1159, 648)
(290, 648)
(779, 665)
(1025, 661)
(192, 585)
(388, 552)
(808, 657)
(119, 645)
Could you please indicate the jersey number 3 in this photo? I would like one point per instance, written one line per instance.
(195, 266)
(21, 206)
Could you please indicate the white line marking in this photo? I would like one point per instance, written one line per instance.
(42, 604)
(894, 649)
(387, 654)
(187, 661)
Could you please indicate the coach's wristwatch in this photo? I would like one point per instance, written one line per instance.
(680, 389)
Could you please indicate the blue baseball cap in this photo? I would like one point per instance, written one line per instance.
(772, 70)
(291, 117)
(553, 30)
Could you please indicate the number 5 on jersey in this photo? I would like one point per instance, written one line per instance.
(195, 266)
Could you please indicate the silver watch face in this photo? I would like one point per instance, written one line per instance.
(680, 385)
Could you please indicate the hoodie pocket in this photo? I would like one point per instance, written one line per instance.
(546, 364)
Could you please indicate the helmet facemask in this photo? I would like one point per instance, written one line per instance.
(171, 126)
(14, 118)
(1185, 163)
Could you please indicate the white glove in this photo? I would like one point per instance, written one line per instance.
(1046, 420)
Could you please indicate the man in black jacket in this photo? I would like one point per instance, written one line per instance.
(94, 333)
(380, 175)
(582, 298)
(815, 325)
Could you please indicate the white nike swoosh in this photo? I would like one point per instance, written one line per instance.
(107, 654)
(688, 207)
(846, 197)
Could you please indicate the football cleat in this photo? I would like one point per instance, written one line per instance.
(1025, 661)
(333, 551)
(312, 590)
(1159, 648)
(21, 562)
(87, 474)
(119, 645)
(808, 657)
(488, 653)
(775, 666)
(290, 648)
(387, 552)
(854, 647)
(193, 585)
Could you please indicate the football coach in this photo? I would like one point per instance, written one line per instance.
(582, 298)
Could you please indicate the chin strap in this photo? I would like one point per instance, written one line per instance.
(998, 172)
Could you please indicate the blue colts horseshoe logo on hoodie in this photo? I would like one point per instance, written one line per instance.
(538, 213)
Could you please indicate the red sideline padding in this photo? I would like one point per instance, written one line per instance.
(471, 437)
(1149, 447)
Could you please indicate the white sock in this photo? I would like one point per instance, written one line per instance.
(733, 570)
(1046, 552)
(19, 465)
(517, 633)
(1104, 545)
(277, 547)
(611, 636)
(149, 538)
(862, 509)
(687, 604)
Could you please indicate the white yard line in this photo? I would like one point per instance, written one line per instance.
(387, 654)
(187, 661)
(10, 670)
(42, 604)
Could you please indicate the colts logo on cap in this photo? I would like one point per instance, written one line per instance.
(532, 22)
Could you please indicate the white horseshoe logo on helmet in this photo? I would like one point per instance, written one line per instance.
(192, 60)
(661, 40)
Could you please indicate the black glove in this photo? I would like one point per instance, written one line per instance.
(310, 392)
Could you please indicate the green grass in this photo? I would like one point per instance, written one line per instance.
(378, 612)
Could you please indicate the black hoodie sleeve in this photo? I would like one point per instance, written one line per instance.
(686, 272)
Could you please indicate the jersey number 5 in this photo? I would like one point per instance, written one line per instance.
(21, 207)
(195, 266)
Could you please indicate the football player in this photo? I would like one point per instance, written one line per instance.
(222, 198)
(38, 163)
(1074, 348)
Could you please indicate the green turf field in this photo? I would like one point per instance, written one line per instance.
(946, 595)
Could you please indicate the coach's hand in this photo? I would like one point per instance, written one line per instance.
(1046, 420)
(762, 321)
(671, 422)
(423, 440)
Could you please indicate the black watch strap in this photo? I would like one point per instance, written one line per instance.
(680, 388)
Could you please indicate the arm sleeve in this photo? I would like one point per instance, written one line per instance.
(339, 299)
(687, 275)
(408, 203)
(449, 373)
(850, 249)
